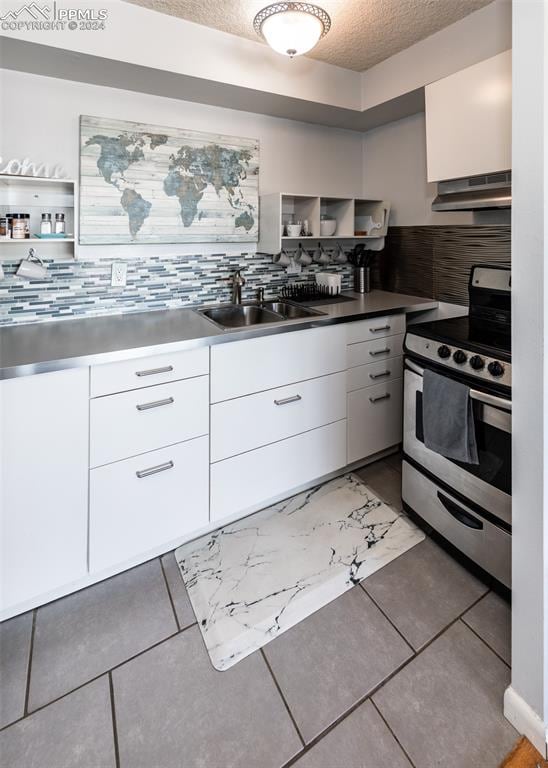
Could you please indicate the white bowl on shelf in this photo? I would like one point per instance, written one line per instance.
(293, 230)
(328, 227)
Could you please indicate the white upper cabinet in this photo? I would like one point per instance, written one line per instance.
(468, 121)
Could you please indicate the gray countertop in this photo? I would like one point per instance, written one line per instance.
(53, 346)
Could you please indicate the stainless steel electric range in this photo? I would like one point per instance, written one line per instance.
(469, 505)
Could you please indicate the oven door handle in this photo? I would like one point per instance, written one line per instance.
(481, 397)
(459, 513)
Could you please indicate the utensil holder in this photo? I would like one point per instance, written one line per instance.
(362, 279)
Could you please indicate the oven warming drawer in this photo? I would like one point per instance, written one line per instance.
(484, 543)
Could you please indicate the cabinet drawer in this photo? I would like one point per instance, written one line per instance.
(146, 371)
(250, 422)
(254, 365)
(374, 328)
(251, 480)
(144, 502)
(373, 351)
(134, 422)
(374, 419)
(374, 373)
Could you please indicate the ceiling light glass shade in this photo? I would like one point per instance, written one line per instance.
(292, 28)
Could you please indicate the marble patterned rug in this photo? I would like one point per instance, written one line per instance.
(253, 579)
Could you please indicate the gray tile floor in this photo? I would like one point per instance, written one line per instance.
(407, 669)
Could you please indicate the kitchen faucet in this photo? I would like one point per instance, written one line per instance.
(237, 281)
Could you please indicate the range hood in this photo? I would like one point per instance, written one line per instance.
(476, 192)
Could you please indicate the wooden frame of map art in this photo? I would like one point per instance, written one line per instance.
(143, 183)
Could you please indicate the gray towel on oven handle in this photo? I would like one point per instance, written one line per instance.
(448, 418)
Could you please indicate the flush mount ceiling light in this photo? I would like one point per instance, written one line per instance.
(292, 28)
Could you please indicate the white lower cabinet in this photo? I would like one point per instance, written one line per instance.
(374, 419)
(252, 479)
(374, 385)
(145, 419)
(110, 378)
(253, 365)
(139, 504)
(375, 327)
(249, 422)
(43, 484)
(374, 373)
(374, 351)
(285, 411)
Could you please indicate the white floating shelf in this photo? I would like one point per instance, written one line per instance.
(351, 214)
(35, 195)
(334, 237)
(13, 179)
(35, 241)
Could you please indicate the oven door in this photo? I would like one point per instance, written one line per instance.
(489, 483)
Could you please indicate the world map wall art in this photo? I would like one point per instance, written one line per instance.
(143, 183)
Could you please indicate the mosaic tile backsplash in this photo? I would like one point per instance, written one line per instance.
(431, 261)
(82, 288)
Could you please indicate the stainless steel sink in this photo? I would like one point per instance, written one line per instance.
(243, 315)
(240, 315)
(290, 311)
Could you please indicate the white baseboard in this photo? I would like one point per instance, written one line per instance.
(525, 720)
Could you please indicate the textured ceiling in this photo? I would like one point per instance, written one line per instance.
(363, 32)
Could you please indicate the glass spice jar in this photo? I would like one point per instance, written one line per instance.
(46, 227)
(59, 223)
(18, 227)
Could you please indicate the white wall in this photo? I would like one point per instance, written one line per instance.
(394, 159)
(394, 166)
(474, 38)
(526, 703)
(148, 38)
(295, 157)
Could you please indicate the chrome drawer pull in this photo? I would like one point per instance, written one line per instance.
(380, 328)
(155, 404)
(381, 397)
(287, 400)
(379, 375)
(154, 470)
(376, 352)
(155, 371)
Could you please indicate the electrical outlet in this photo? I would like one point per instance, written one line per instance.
(119, 273)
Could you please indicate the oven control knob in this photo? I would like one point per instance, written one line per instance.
(495, 368)
(477, 362)
(459, 357)
(444, 351)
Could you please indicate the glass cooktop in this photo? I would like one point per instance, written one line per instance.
(466, 333)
